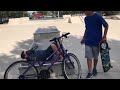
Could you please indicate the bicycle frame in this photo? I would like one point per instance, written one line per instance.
(62, 51)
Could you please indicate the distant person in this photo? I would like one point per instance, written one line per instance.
(92, 38)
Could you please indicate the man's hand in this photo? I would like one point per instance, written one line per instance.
(104, 39)
(82, 41)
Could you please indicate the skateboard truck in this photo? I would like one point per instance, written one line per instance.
(109, 48)
(111, 66)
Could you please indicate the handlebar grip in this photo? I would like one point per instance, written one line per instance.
(50, 40)
(65, 35)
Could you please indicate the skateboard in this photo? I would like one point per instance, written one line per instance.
(105, 56)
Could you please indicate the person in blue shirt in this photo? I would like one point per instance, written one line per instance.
(93, 35)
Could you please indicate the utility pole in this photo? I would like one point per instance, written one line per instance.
(58, 14)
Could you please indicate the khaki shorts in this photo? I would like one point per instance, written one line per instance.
(91, 52)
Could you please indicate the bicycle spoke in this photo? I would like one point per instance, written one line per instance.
(72, 72)
(14, 73)
(18, 71)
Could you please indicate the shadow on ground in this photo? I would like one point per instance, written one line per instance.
(6, 60)
(72, 44)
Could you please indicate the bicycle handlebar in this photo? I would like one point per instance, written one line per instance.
(63, 35)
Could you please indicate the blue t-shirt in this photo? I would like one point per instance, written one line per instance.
(39, 54)
(93, 31)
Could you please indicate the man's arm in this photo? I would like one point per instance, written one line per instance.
(84, 34)
(105, 24)
(105, 32)
(83, 39)
(104, 38)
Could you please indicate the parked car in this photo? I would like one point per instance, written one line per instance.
(38, 16)
(4, 20)
(1, 21)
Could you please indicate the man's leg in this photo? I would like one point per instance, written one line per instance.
(95, 63)
(89, 56)
(96, 54)
(54, 47)
(89, 63)
(94, 68)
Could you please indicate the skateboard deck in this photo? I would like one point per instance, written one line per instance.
(105, 56)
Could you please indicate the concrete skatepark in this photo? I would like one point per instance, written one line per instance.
(17, 36)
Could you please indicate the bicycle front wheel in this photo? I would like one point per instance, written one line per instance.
(21, 70)
(71, 67)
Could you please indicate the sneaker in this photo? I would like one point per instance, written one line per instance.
(89, 76)
(53, 76)
(94, 72)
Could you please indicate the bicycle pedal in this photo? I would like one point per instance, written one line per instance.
(111, 66)
(53, 76)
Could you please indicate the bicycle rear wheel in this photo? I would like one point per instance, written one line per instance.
(21, 70)
(71, 67)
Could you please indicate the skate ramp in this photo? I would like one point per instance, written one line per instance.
(73, 19)
(114, 17)
(17, 21)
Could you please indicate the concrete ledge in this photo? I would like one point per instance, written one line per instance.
(73, 19)
(66, 16)
(46, 33)
(77, 19)
(17, 21)
(41, 39)
(114, 17)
